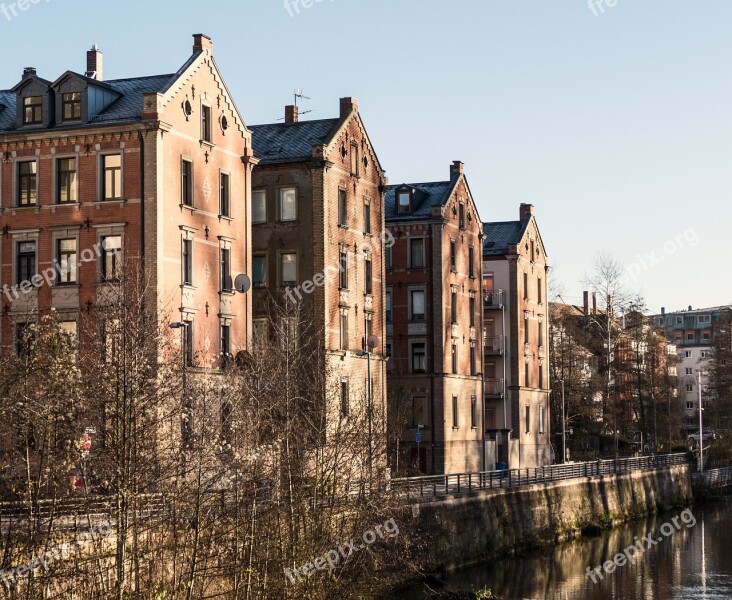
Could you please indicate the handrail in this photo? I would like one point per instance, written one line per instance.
(459, 483)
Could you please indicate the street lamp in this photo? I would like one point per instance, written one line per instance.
(371, 343)
(701, 426)
(564, 425)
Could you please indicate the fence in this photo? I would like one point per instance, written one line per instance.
(466, 483)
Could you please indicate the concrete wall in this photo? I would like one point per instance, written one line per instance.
(467, 529)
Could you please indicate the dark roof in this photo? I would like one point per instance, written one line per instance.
(499, 236)
(128, 107)
(426, 197)
(289, 142)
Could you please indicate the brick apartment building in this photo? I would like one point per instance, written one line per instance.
(317, 224)
(156, 168)
(516, 318)
(433, 325)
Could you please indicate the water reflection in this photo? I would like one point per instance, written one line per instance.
(693, 562)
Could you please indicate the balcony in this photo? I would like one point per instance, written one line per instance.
(493, 345)
(493, 299)
(494, 388)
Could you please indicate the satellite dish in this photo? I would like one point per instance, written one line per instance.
(242, 283)
(372, 342)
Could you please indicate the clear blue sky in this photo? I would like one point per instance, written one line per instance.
(618, 127)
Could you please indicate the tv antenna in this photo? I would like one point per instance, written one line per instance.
(298, 95)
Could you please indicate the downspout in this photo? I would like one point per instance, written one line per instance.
(432, 377)
(141, 141)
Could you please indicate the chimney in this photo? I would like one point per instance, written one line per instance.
(663, 310)
(586, 298)
(594, 303)
(348, 105)
(94, 63)
(689, 307)
(525, 210)
(456, 168)
(29, 71)
(291, 114)
(202, 42)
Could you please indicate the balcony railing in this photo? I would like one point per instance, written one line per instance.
(493, 344)
(493, 299)
(494, 388)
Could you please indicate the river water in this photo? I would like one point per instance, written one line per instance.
(693, 560)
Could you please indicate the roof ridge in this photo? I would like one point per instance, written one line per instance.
(297, 123)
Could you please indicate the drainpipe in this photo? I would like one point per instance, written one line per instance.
(141, 141)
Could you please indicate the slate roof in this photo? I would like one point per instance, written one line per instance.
(289, 142)
(128, 107)
(428, 195)
(500, 235)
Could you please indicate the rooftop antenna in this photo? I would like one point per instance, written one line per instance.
(297, 94)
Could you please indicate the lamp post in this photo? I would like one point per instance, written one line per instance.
(701, 426)
(564, 425)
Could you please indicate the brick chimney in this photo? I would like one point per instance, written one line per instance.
(202, 42)
(526, 210)
(586, 298)
(348, 105)
(456, 168)
(291, 114)
(95, 63)
(29, 71)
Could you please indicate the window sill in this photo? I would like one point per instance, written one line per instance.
(105, 202)
(192, 208)
(455, 427)
(34, 207)
(342, 226)
(227, 292)
(226, 218)
(368, 234)
(63, 204)
(68, 284)
(207, 143)
(188, 286)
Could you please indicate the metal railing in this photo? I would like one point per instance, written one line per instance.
(494, 387)
(493, 299)
(467, 483)
(493, 344)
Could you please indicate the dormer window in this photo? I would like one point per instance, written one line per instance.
(33, 110)
(404, 202)
(71, 105)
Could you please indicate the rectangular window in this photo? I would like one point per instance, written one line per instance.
(455, 417)
(344, 331)
(66, 261)
(526, 375)
(473, 411)
(206, 123)
(454, 359)
(188, 343)
(187, 260)
(472, 358)
(71, 106)
(343, 270)
(342, 208)
(387, 257)
(260, 331)
(288, 204)
(66, 181)
(419, 411)
(539, 290)
(288, 268)
(23, 339)
(541, 332)
(369, 275)
(225, 279)
(109, 335)
(417, 301)
(32, 110)
(541, 419)
(689, 406)
(526, 328)
(471, 261)
(259, 207)
(419, 357)
(472, 311)
(527, 419)
(367, 217)
(490, 418)
(461, 215)
(689, 371)
(27, 183)
(224, 195)
(111, 258)
(388, 306)
(345, 400)
(112, 177)
(354, 160)
(526, 286)
(259, 271)
(26, 262)
(225, 345)
(689, 387)
(453, 307)
(369, 327)
(416, 253)
(453, 256)
(403, 202)
(186, 183)
(541, 377)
